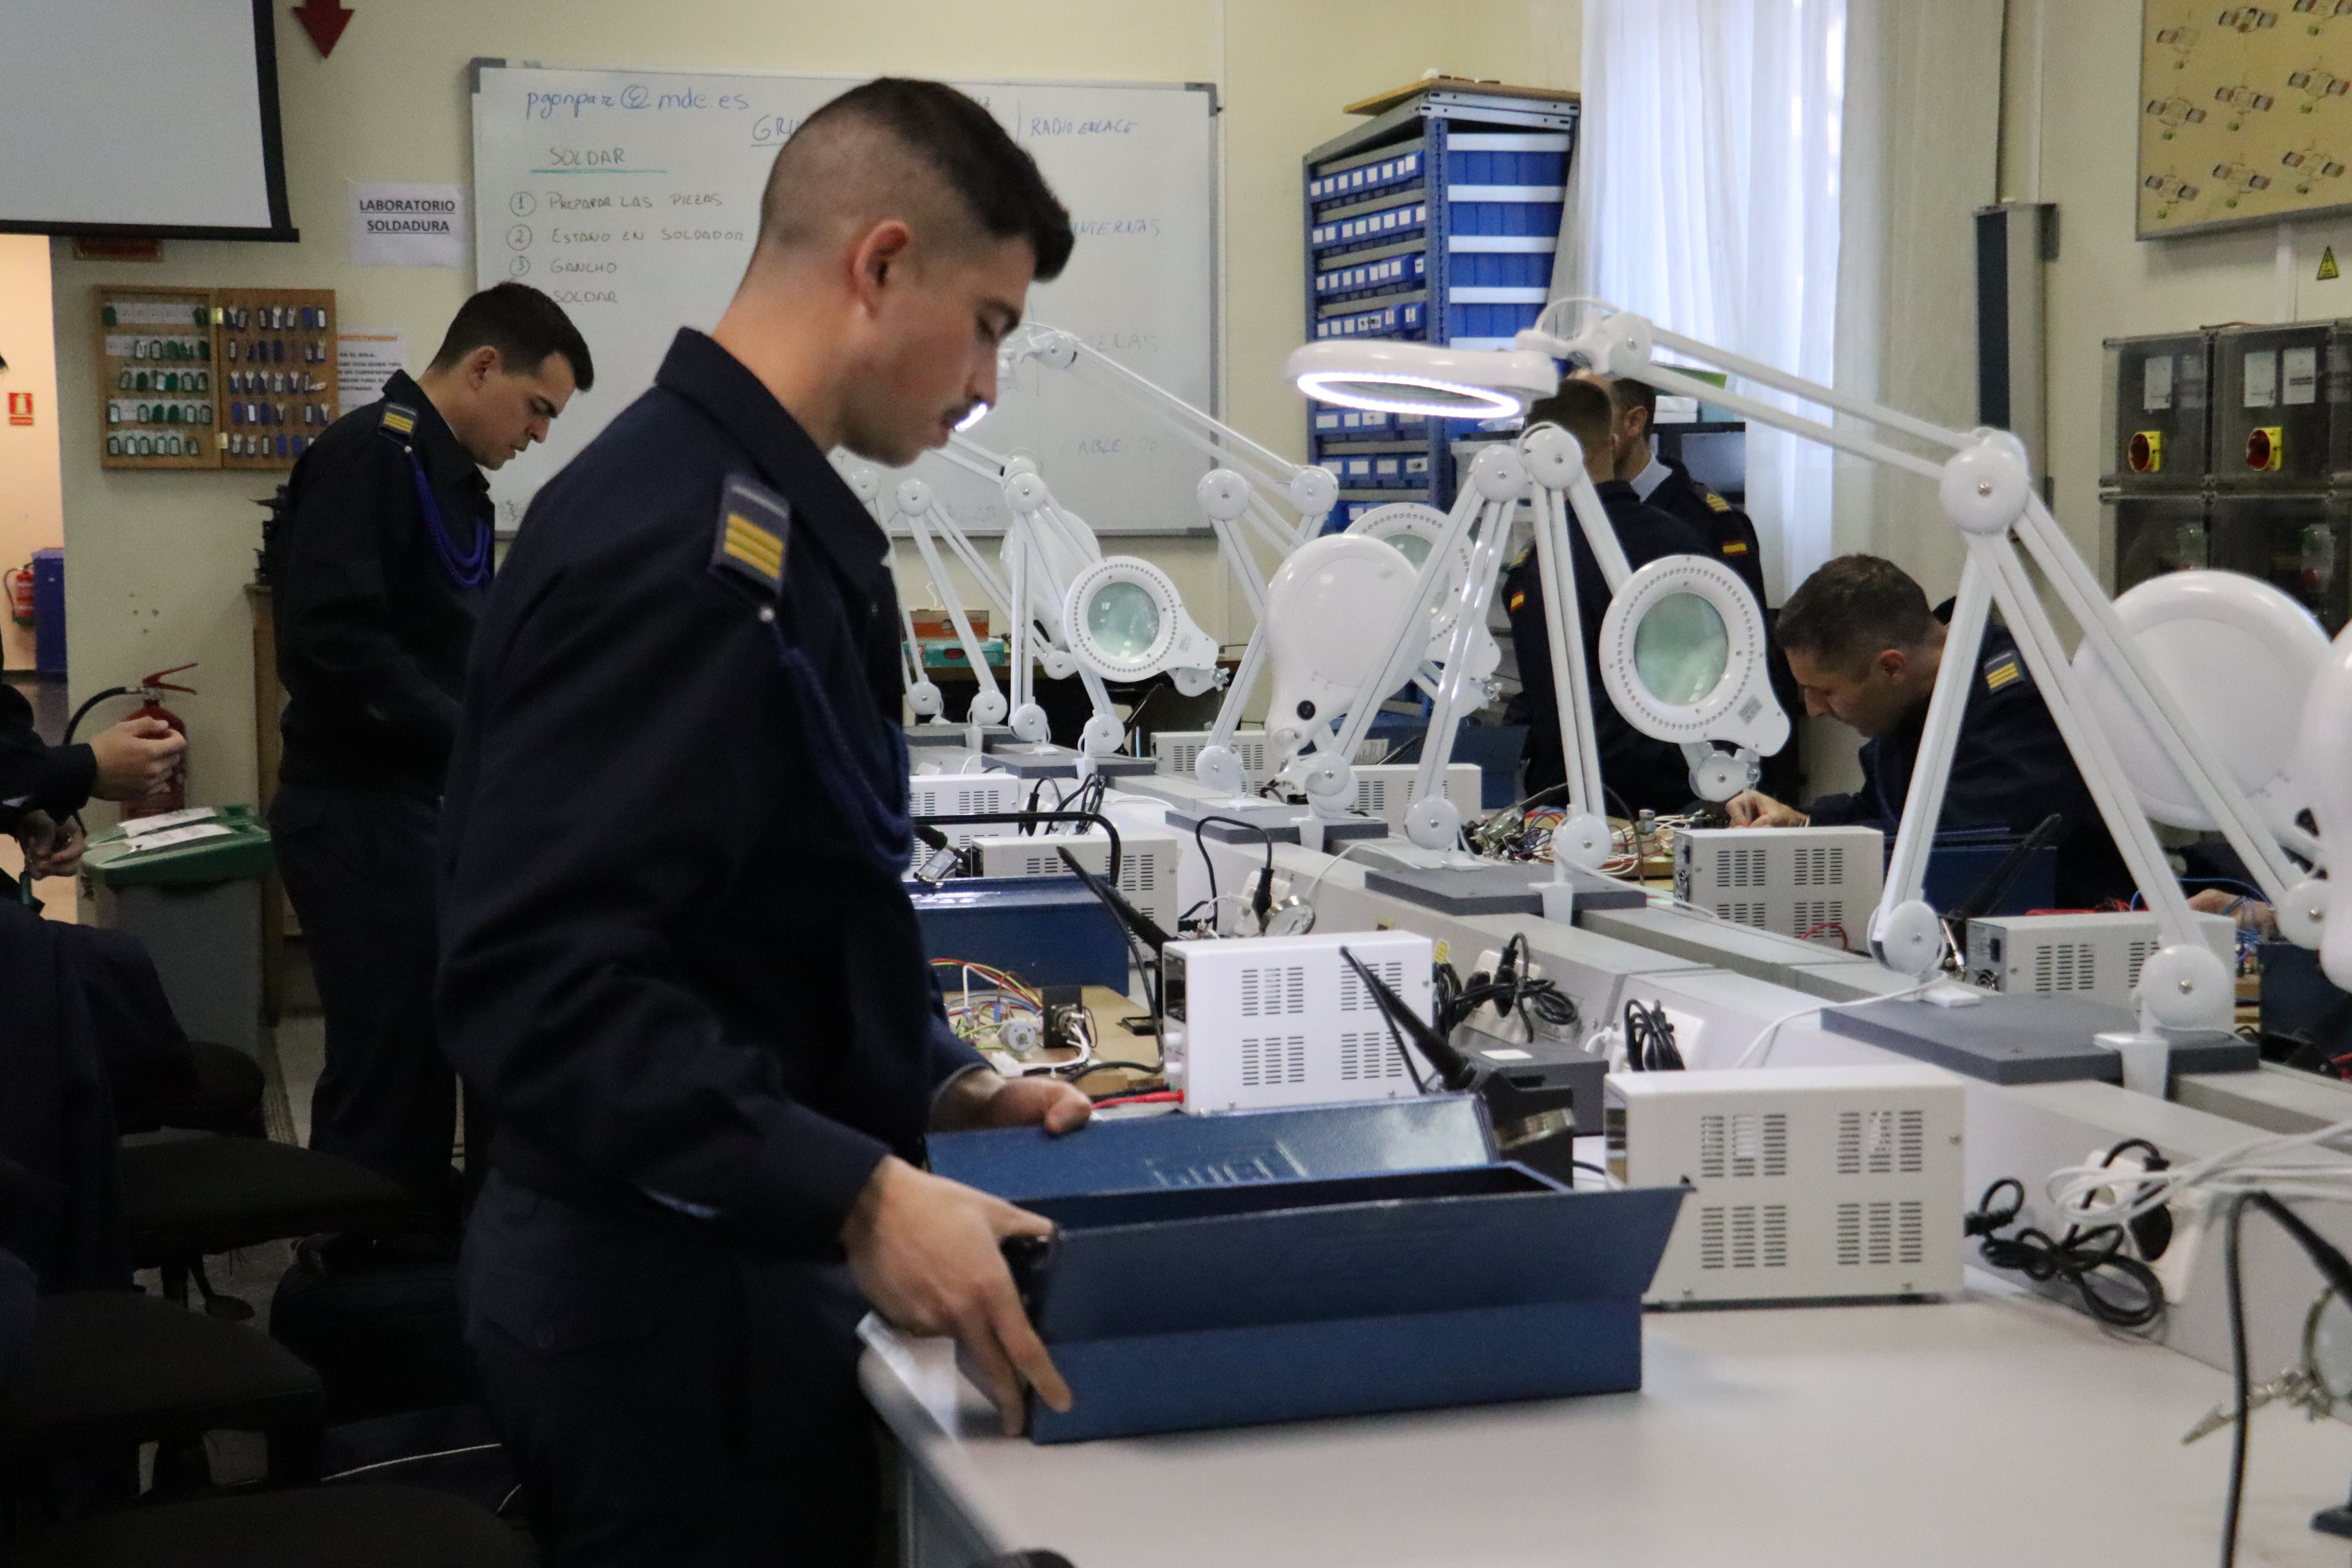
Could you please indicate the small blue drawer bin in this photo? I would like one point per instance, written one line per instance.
(1181, 1309)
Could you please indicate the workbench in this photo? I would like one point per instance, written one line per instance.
(1994, 1427)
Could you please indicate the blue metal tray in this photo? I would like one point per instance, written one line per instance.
(1189, 1308)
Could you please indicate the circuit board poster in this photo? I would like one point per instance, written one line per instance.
(2245, 113)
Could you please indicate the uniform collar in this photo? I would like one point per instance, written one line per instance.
(1645, 483)
(446, 458)
(719, 383)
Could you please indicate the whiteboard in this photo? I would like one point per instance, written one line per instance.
(632, 197)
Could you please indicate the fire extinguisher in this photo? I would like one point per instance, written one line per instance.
(20, 594)
(175, 793)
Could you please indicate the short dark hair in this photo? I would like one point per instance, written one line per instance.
(1629, 394)
(991, 176)
(1854, 609)
(1578, 407)
(524, 325)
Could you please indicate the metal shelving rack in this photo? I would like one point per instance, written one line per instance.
(1436, 221)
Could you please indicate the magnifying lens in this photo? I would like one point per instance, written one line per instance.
(1682, 656)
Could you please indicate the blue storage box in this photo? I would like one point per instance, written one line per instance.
(49, 612)
(1048, 931)
(1224, 1306)
(1233, 1148)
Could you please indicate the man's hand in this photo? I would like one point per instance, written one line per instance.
(1752, 808)
(51, 848)
(135, 759)
(924, 1252)
(987, 1098)
(2252, 914)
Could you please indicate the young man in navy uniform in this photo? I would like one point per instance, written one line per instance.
(378, 569)
(1866, 650)
(680, 962)
(1636, 770)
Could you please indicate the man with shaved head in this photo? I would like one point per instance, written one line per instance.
(679, 965)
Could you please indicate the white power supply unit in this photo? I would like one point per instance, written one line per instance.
(2097, 956)
(965, 795)
(1147, 863)
(1807, 1182)
(1385, 789)
(1274, 1021)
(1816, 883)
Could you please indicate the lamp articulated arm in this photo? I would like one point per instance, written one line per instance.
(1987, 493)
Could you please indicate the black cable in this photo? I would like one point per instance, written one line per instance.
(1136, 713)
(2241, 1385)
(1597, 1170)
(82, 713)
(1263, 900)
(1649, 1039)
(1080, 1069)
(2078, 1258)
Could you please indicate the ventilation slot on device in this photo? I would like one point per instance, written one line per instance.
(1740, 868)
(1814, 915)
(1743, 1236)
(1877, 1234)
(1822, 865)
(1748, 1144)
(2141, 952)
(2066, 966)
(1274, 1059)
(1368, 1056)
(1354, 996)
(1880, 1142)
(1271, 993)
(1741, 914)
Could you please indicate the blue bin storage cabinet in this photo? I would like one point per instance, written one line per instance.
(1435, 222)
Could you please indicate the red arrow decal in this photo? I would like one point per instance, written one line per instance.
(324, 20)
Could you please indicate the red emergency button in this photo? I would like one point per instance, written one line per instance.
(2266, 449)
(2145, 451)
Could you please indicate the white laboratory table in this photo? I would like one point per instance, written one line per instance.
(1997, 1428)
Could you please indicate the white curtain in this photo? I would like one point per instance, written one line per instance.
(1708, 194)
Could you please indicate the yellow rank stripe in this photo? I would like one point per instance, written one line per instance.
(1736, 547)
(1716, 502)
(754, 546)
(398, 423)
(2001, 674)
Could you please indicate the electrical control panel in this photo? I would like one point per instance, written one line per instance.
(1817, 884)
(2159, 411)
(1277, 1021)
(1806, 1183)
(2097, 956)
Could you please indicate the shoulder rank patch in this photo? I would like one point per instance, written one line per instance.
(1735, 547)
(1716, 502)
(399, 418)
(753, 524)
(2002, 670)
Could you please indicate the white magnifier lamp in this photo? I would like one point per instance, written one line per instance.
(2324, 757)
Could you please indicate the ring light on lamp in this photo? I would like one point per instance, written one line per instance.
(1127, 622)
(1423, 378)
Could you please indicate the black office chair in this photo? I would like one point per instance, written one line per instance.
(110, 1369)
(350, 1527)
(192, 1198)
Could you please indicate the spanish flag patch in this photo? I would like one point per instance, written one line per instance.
(399, 418)
(753, 524)
(1716, 500)
(2000, 670)
(1517, 599)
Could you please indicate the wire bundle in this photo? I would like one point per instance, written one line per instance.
(2079, 1257)
(1511, 989)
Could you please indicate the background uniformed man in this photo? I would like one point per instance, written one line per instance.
(1730, 533)
(680, 962)
(379, 566)
(1866, 650)
(1636, 770)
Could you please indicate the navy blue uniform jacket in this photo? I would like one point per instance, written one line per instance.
(2009, 769)
(677, 962)
(1638, 769)
(372, 629)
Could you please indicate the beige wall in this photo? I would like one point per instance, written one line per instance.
(158, 561)
(32, 514)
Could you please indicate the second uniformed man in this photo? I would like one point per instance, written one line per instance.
(680, 963)
(378, 569)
